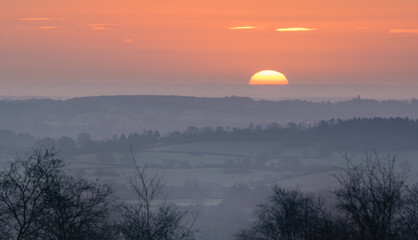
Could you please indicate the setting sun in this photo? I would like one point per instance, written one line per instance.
(268, 77)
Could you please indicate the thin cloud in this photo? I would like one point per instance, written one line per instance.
(243, 27)
(36, 19)
(37, 27)
(99, 26)
(48, 27)
(128, 40)
(296, 29)
(404, 30)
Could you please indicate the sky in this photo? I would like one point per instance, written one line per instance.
(88, 44)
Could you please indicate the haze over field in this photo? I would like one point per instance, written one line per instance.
(107, 115)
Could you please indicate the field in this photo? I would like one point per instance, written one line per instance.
(204, 162)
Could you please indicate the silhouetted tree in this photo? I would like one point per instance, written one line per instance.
(409, 214)
(65, 143)
(22, 189)
(370, 195)
(84, 140)
(146, 220)
(290, 215)
(39, 201)
(373, 203)
(77, 209)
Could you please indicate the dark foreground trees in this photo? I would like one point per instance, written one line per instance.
(373, 202)
(22, 193)
(77, 209)
(409, 214)
(39, 201)
(370, 196)
(288, 215)
(147, 220)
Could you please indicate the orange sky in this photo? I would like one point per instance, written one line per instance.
(191, 41)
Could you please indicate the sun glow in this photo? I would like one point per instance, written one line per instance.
(268, 77)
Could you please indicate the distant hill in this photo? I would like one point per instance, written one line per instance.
(107, 115)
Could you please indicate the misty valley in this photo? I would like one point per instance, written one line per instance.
(217, 168)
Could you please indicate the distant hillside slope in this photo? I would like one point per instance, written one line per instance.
(108, 115)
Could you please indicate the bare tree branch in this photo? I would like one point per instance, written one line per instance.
(146, 220)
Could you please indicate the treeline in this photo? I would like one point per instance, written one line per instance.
(332, 135)
(336, 134)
